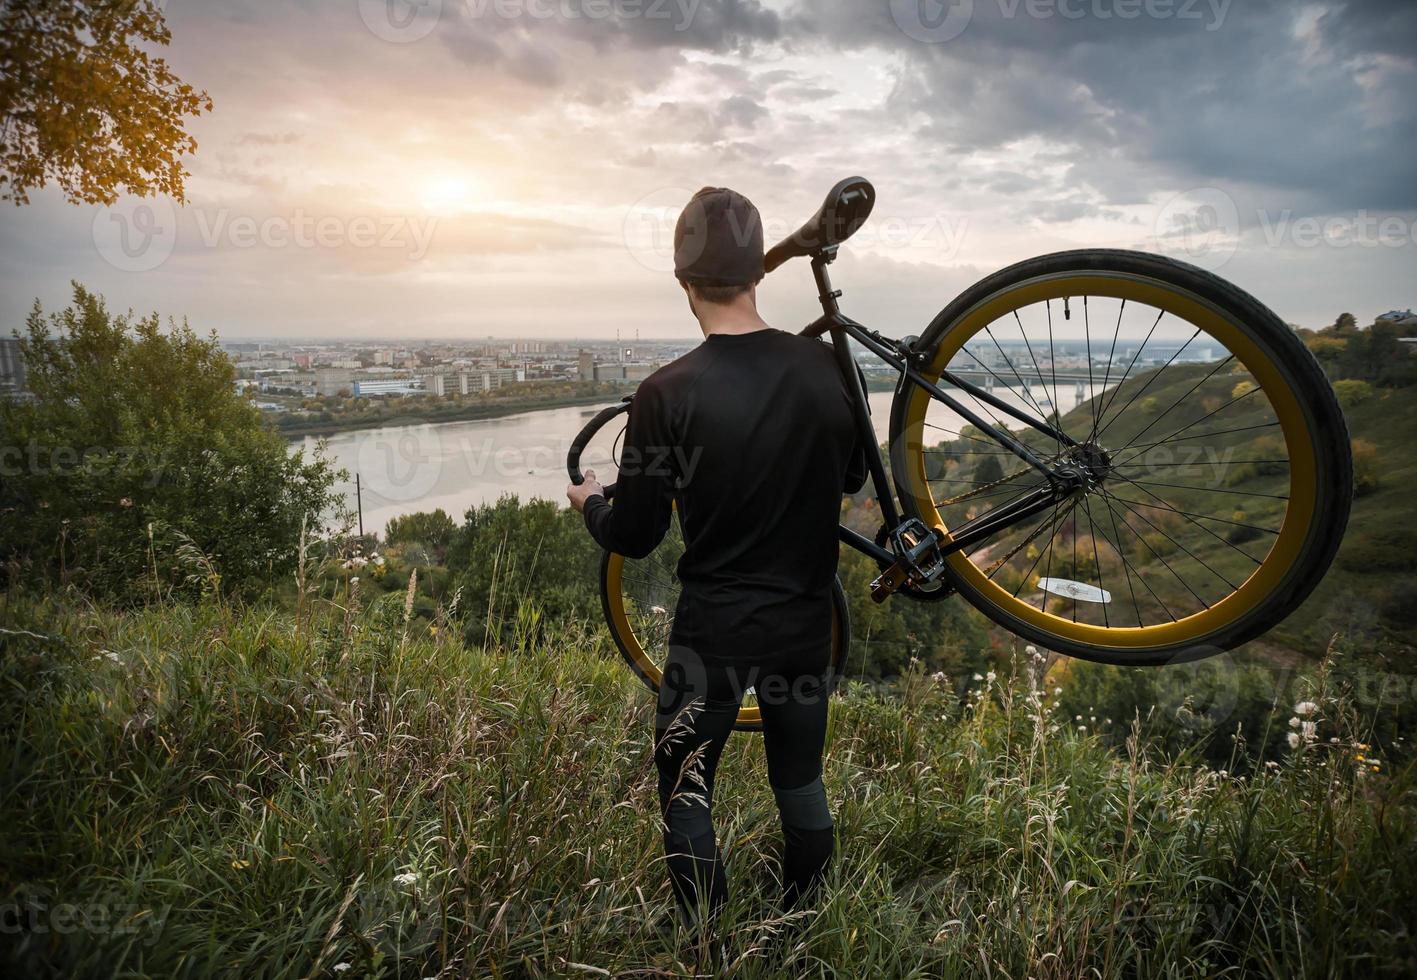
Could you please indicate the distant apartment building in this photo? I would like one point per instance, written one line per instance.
(490, 378)
(387, 387)
(585, 366)
(12, 368)
(331, 381)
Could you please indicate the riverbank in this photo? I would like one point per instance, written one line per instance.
(420, 411)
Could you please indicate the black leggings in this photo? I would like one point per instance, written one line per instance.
(698, 705)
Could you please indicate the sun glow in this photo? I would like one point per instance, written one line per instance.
(451, 194)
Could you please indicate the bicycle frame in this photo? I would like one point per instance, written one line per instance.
(905, 358)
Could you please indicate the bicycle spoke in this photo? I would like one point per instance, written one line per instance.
(1096, 558)
(1022, 383)
(1202, 435)
(1126, 565)
(1128, 373)
(1179, 486)
(1039, 371)
(1188, 517)
(1108, 377)
(1198, 421)
(1167, 565)
(1178, 401)
(1188, 551)
(1149, 381)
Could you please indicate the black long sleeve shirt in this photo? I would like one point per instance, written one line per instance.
(754, 437)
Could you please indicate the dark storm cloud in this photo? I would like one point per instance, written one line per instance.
(1324, 110)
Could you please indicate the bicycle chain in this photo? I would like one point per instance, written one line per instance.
(984, 489)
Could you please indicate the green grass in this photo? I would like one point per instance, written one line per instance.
(202, 790)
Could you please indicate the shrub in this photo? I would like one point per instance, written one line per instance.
(1241, 530)
(1365, 467)
(136, 450)
(1352, 393)
(434, 529)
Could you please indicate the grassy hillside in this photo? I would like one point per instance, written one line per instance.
(1177, 564)
(201, 790)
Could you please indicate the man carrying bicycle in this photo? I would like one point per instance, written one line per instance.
(751, 436)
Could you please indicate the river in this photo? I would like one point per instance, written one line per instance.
(458, 465)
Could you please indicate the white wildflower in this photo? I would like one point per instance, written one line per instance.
(406, 879)
(1294, 722)
(990, 677)
(1294, 740)
(1309, 730)
(978, 677)
(1305, 708)
(341, 967)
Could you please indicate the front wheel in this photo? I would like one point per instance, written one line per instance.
(1219, 472)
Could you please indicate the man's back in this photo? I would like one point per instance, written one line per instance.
(752, 434)
(761, 431)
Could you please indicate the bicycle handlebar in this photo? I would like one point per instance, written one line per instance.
(583, 438)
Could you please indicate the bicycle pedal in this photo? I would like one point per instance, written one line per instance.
(886, 584)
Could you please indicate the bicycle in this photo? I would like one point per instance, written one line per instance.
(1144, 455)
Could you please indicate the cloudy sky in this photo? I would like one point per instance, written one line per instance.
(460, 168)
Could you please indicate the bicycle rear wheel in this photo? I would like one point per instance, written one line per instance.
(1218, 462)
(639, 598)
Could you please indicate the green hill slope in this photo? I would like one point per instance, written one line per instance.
(200, 790)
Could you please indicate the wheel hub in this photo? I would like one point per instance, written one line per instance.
(1090, 462)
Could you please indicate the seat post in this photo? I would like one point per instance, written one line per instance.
(828, 296)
